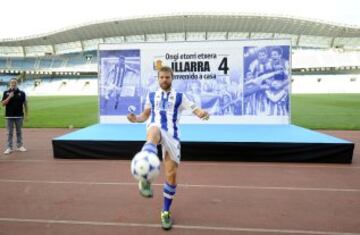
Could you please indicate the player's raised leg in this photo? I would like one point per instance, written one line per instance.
(169, 190)
(152, 140)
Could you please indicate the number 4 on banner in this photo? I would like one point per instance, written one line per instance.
(223, 65)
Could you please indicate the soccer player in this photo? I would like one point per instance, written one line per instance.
(278, 63)
(164, 108)
(260, 65)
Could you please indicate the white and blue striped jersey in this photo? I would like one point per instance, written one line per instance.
(166, 108)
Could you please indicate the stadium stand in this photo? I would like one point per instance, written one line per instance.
(326, 56)
(3, 62)
(60, 86)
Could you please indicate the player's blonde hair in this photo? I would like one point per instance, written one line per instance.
(166, 69)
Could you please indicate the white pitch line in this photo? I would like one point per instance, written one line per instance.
(179, 226)
(127, 162)
(185, 185)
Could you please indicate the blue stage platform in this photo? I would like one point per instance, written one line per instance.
(280, 143)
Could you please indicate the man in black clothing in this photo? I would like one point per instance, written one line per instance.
(15, 103)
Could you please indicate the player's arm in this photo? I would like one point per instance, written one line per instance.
(144, 115)
(202, 114)
(26, 109)
(189, 105)
(262, 78)
(285, 83)
(139, 118)
(6, 98)
(286, 69)
(253, 66)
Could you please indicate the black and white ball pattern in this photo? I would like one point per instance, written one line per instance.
(145, 166)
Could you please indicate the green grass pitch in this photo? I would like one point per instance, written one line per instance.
(315, 111)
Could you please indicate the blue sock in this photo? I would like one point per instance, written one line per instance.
(150, 147)
(169, 193)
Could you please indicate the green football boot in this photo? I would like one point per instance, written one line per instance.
(166, 222)
(145, 189)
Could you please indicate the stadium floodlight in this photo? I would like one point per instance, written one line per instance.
(88, 57)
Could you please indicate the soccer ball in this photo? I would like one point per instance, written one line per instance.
(145, 166)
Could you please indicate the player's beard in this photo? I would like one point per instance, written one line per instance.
(165, 86)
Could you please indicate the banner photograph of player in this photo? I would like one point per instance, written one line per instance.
(266, 80)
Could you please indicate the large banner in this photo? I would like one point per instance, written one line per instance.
(245, 82)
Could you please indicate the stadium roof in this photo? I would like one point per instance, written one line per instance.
(186, 27)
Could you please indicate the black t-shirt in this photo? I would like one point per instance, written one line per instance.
(15, 106)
